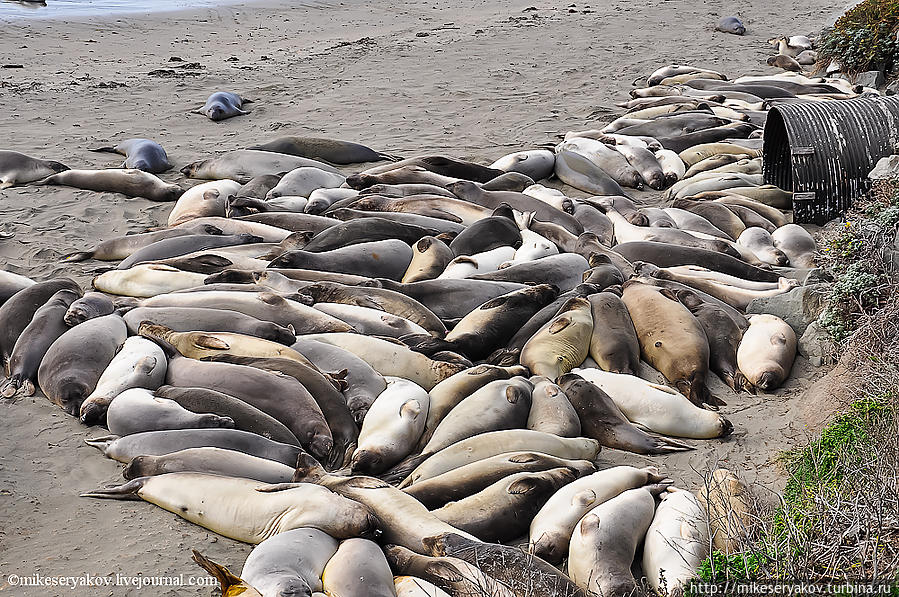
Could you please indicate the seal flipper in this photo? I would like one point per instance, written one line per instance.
(427, 344)
(104, 149)
(389, 158)
(230, 584)
(402, 470)
(127, 491)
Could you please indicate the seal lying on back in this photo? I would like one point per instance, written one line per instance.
(130, 182)
(330, 150)
(18, 168)
(223, 104)
(141, 154)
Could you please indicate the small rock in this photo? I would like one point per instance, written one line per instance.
(816, 345)
(798, 308)
(887, 168)
(872, 78)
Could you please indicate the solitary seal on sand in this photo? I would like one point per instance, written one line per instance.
(223, 104)
(18, 168)
(731, 25)
(330, 150)
(130, 182)
(141, 154)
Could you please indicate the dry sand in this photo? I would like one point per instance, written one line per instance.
(472, 79)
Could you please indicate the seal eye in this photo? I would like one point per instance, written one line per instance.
(658, 344)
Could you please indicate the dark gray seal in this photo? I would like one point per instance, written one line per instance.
(141, 154)
(330, 150)
(367, 230)
(46, 326)
(451, 299)
(91, 305)
(16, 313)
(666, 255)
(731, 25)
(201, 319)
(221, 105)
(18, 168)
(73, 364)
(245, 416)
(347, 214)
(486, 234)
(384, 258)
(444, 166)
(565, 270)
(295, 222)
(182, 245)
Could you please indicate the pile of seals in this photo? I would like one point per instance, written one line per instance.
(389, 379)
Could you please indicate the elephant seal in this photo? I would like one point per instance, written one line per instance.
(329, 150)
(392, 427)
(199, 345)
(18, 168)
(291, 222)
(453, 575)
(430, 256)
(324, 389)
(384, 259)
(115, 249)
(183, 319)
(579, 172)
(604, 542)
(552, 527)
(665, 255)
(564, 271)
(259, 186)
(137, 410)
(11, 283)
(447, 394)
(290, 563)
(221, 105)
(656, 408)
(671, 339)
(485, 235)
(466, 266)
(146, 280)
(45, 327)
(677, 542)
(612, 162)
(70, 370)
(767, 351)
(469, 479)
(410, 586)
(214, 461)
(381, 299)
(365, 230)
(141, 154)
(158, 443)
(358, 569)
(563, 343)
(183, 245)
(242, 512)
(300, 182)
(787, 63)
(209, 199)
(322, 199)
(798, 245)
(729, 504)
(503, 511)
(445, 166)
(403, 520)
(471, 192)
(245, 416)
(759, 241)
(724, 337)
(139, 364)
(537, 163)
(452, 299)
(493, 443)
(614, 344)
(244, 165)
(731, 25)
(89, 306)
(129, 182)
(523, 573)
(16, 313)
(280, 396)
(551, 411)
(490, 325)
(364, 384)
(602, 420)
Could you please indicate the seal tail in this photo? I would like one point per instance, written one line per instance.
(127, 491)
(389, 158)
(101, 443)
(402, 470)
(103, 149)
(230, 584)
(427, 344)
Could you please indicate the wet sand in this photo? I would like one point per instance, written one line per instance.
(465, 78)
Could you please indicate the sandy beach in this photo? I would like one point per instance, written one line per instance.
(465, 78)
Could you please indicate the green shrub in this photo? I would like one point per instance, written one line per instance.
(864, 38)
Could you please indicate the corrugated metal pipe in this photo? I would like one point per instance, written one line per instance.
(822, 151)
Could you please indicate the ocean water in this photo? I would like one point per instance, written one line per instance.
(61, 9)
